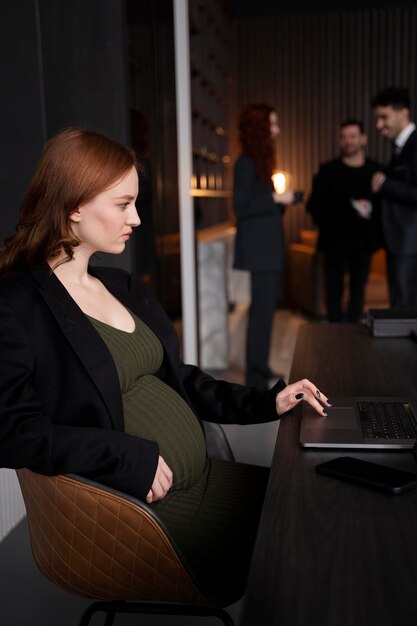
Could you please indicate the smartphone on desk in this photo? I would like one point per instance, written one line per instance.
(368, 474)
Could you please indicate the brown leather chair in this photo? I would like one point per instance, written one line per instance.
(98, 543)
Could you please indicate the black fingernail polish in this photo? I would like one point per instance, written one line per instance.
(298, 396)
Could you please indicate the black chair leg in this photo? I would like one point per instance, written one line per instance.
(151, 608)
(109, 618)
(95, 608)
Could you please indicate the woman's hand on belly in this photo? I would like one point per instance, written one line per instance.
(162, 482)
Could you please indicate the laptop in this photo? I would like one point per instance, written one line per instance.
(361, 422)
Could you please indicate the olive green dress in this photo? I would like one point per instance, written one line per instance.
(213, 507)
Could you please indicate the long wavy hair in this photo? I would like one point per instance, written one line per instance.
(75, 166)
(255, 138)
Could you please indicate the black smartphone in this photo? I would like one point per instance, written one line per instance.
(373, 475)
(298, 196)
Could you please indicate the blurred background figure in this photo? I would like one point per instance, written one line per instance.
(259, 244)
(348, 226)
(397, 189)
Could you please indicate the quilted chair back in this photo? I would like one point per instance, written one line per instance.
(100, 544)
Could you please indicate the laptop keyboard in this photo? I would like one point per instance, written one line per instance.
(387, 420)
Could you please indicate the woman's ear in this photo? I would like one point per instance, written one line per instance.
(75, 216)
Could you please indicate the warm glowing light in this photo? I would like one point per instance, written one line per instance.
(193, 181)
(280, 182)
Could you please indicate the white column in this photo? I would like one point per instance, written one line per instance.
(186, 204)
(12, 509)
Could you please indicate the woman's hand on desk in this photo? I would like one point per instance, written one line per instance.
(305, 390)
(162, 482)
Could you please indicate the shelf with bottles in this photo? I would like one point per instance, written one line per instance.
(213, 18)
(209, 174)
(210, 65)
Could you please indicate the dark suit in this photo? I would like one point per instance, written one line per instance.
(60, 400)
(398, 195)
(259, 248)
(345, 239)
(259, 244)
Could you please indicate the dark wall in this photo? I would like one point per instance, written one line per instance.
(62, 63)
(22, 125)
(84, 60)
(263, 8)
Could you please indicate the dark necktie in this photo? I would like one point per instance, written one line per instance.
(395, 150)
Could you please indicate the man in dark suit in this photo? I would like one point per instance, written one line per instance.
(397, 188)
(340, 206)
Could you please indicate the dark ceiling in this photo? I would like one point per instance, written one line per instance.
(263, 8)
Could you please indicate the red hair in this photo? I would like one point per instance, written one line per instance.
(75, 166)
(255, 138)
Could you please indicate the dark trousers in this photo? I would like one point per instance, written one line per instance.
(402, 281)
(354, 259)
(264, 295)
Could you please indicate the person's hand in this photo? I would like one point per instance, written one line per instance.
(377, 181)
(305, 390)
(162, 482)
(287, 197)
(365, 206)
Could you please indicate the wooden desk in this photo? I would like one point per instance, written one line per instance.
(329, 553)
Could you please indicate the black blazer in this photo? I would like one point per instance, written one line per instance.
(398, 196)
(60, 401)
(259, 243)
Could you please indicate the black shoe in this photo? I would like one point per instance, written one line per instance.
(271, 375)
(258, 384)
(264, 380)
